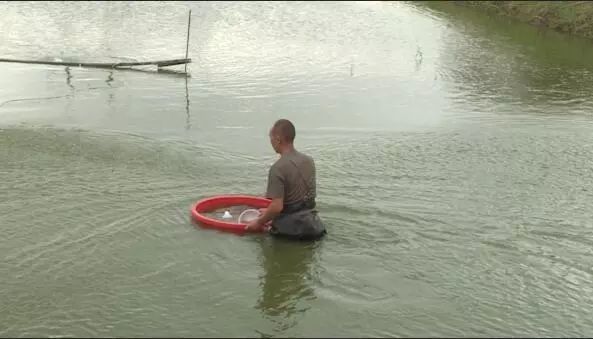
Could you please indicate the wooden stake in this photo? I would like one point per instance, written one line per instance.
(187, 44)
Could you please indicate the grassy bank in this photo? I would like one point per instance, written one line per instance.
(573, 17)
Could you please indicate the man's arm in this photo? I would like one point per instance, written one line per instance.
(273, 210)
(275, 192)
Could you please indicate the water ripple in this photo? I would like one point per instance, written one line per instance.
(453, 172)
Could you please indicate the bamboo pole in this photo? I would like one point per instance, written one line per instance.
(187, 43)
(159, 63)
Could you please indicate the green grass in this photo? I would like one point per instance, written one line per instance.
(573, 17)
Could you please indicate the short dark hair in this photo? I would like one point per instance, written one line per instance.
(285, 130)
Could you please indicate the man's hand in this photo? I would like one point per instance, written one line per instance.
(254, 225)
(266, 215)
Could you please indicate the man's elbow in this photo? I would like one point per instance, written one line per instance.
(276, 206)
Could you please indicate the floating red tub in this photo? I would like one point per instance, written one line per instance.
(223, 201)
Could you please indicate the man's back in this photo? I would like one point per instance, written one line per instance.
(292, 177)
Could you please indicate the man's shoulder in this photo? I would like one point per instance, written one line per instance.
(302, 155)
(295, 158)
(306, 159)
(279, 165)
(287, 162)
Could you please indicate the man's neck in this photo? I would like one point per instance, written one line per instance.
(288, 149)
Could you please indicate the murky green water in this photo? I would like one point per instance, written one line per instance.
(454, 154)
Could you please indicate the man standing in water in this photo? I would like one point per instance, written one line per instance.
(292, 189)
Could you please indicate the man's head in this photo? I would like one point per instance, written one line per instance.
(282, 135)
